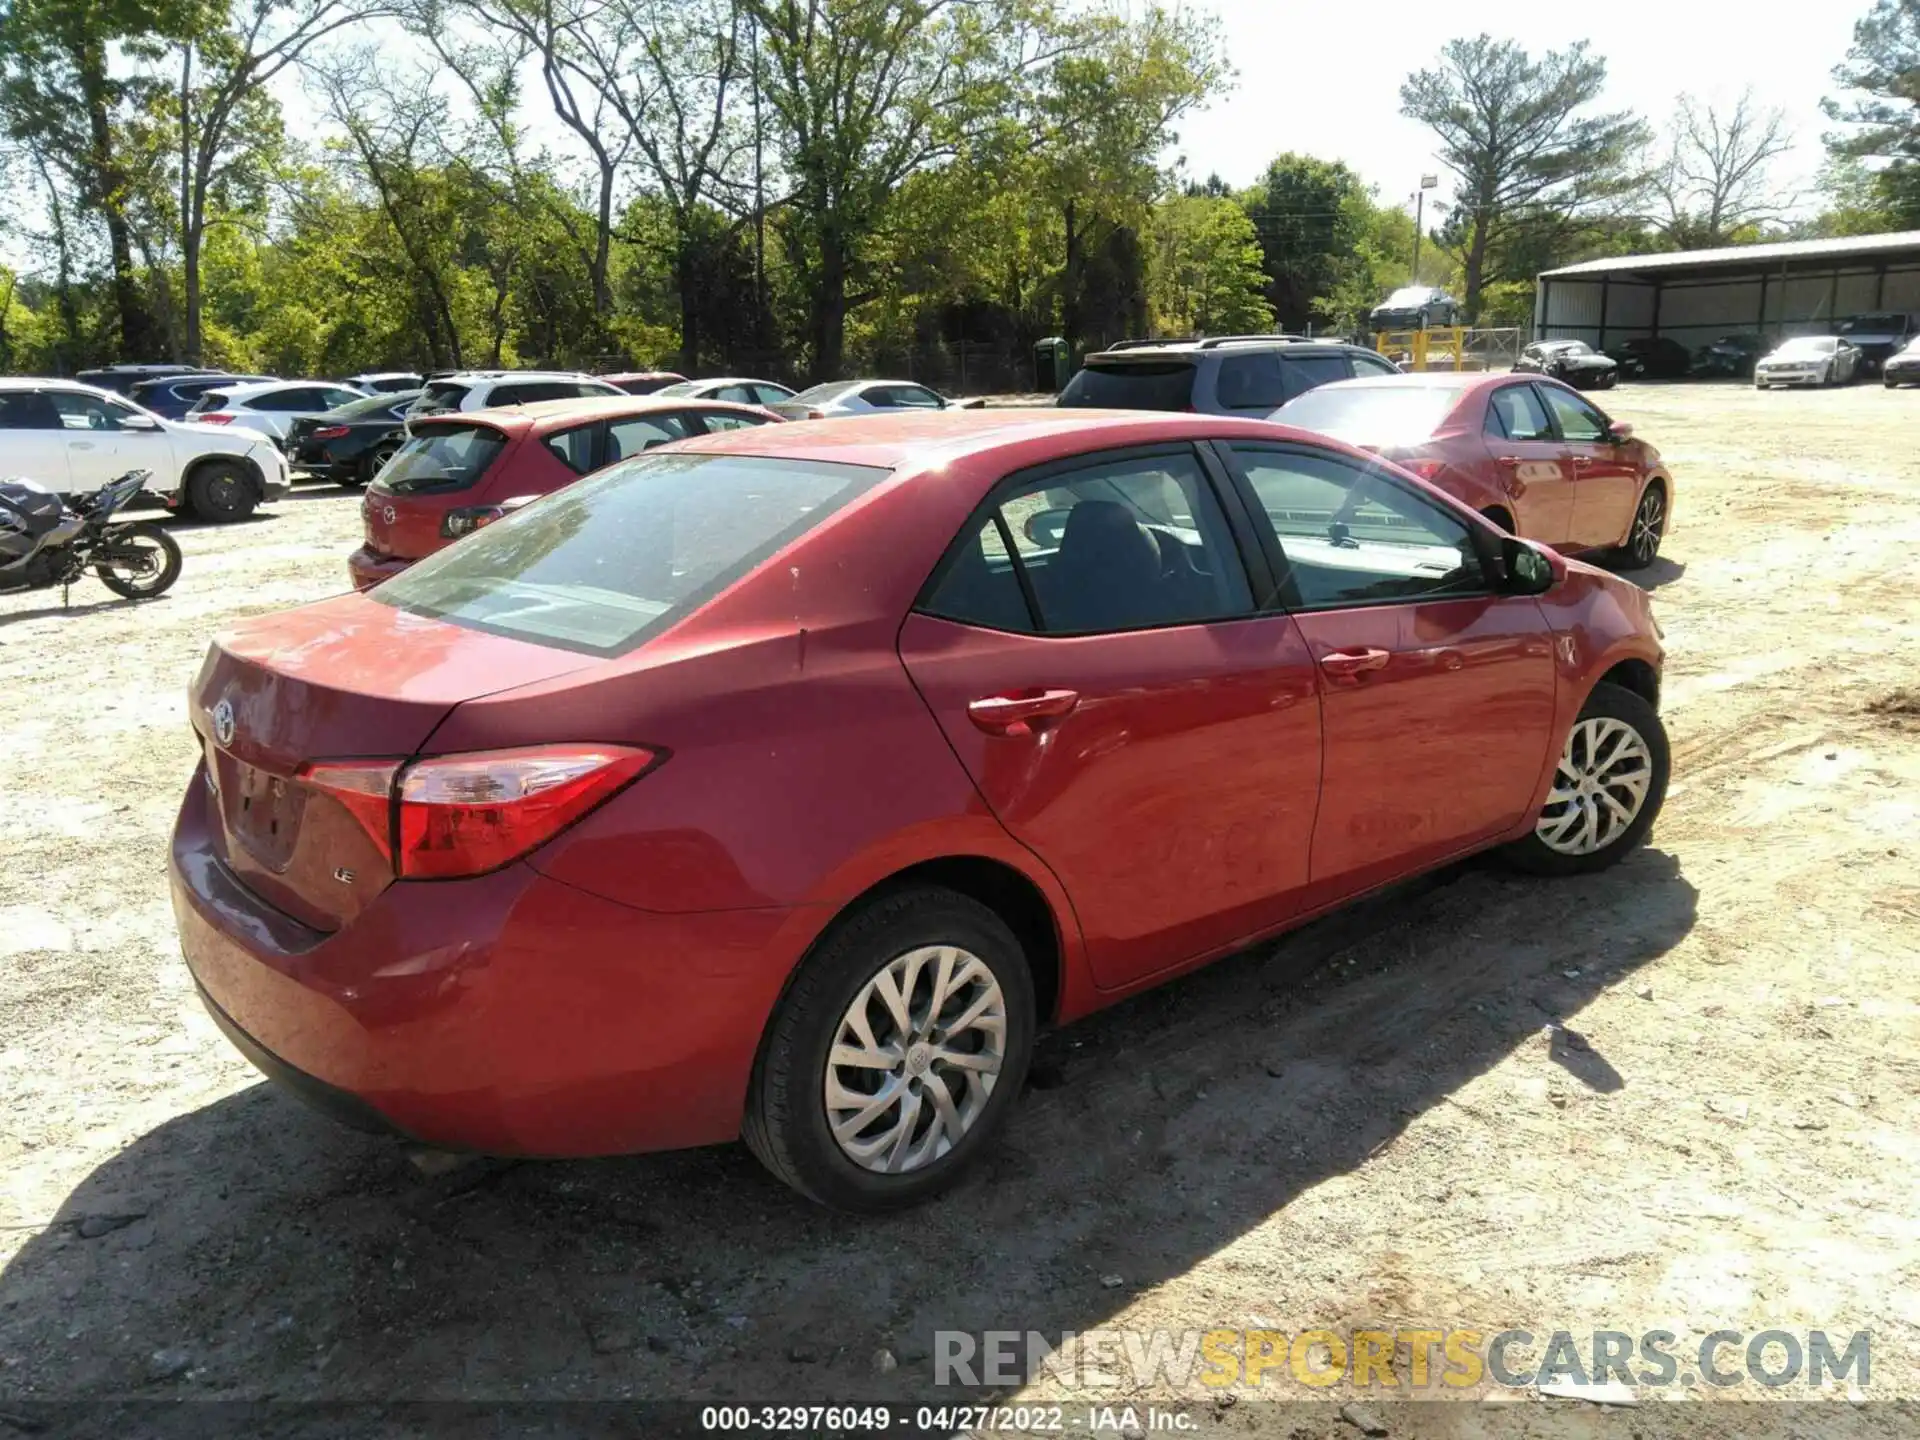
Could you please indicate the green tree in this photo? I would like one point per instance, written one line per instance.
(1883, 72)
(1204, 274)
(1312, 218)
(1513, 131)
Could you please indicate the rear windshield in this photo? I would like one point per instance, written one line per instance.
(211, 400)
(1371, 414)
(442, 457)
(1140, 385)
(603, 564)
(441, 395)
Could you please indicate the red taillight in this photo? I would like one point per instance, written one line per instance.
(457, 815)
(215, 417)
(332, 432)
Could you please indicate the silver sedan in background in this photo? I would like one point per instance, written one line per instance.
(1808, 360)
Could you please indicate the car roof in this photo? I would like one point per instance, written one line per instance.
(253, 389)
(1425, 380)
(615, 377)
(545, 416)
(37, 382)
(931, 438)
(1217, 345)
(475, 377)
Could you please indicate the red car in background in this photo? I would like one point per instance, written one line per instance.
(1529, 453)
(782, 783)
(459, 471)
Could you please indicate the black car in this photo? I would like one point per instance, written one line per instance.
(122, 378)
(1651, 357)
(1573, 361)
(1415, 307)
(350, 443)
(172, 396)
(1732, 355)
(1878, 337)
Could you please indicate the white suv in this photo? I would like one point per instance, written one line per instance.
(271, 407)
(75, 438)
(496, 389)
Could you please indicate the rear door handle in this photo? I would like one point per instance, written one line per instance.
(1016, 711)
(1351, 664)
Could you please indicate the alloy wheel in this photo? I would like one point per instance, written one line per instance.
(1648, 521)
(915, 1059)
(1598, 789)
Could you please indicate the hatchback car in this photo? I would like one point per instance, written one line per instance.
(1573, 361)
(457, 473)
(1651, 357)
(349, 445)
(497, 389)
(1225, 375)
(269, 409)
(839, 398)
(1530, 455)
(171, 397)
(781, 784)
(1807, 360)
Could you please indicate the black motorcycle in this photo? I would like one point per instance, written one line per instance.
(47, 541)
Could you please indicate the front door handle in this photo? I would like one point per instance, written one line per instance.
(80, 444)
(1017, 711)
(1349, 665)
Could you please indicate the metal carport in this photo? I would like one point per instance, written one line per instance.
(1693, 296)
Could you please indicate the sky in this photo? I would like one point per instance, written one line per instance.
(1312, 81)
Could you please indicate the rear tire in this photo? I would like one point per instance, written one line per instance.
(160, 549)
(371, 464)
(839, 992)
(1615, 759)
(221, 492)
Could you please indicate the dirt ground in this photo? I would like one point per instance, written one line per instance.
(1369, 1124)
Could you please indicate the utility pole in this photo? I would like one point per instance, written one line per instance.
(1427, 182)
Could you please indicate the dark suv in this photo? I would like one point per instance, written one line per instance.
(1225, 375)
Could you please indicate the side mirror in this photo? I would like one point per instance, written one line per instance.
(140, 422)
(1529, 570)
(1619, 432)
(1045, 528)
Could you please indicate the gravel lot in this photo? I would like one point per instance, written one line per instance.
(1363, 1125)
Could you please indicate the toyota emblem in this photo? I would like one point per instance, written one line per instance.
(223, 722)
(387, 514)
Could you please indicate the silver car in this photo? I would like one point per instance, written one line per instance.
(1808, 360)
(860, 397)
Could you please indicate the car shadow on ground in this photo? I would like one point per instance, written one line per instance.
(251, 1249)
(83, 607)
(1661, 572)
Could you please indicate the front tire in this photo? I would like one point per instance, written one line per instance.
(893, 1057)
(1608, 788)
(221, 492)
(144, 561)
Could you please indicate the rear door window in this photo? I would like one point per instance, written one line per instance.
(638, 434)
(1123, 543)
(575, 447)
(1135, 385)
(442, 457)
(737, 394)
(770, 394)
(1515, 413)
(27, 410)
(600, 566)
(1250, 382)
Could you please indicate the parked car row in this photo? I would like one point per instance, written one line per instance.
(1861, 346)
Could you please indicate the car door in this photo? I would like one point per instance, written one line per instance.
(98, 448)
(1535, 470)
(1606, 479)
(33, 440)
(1092, 651)
(1436, 689)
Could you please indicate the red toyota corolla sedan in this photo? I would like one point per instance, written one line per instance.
(1531, 454)
(458, 472)
(780, 784)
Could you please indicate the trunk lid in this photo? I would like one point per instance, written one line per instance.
(348, 678)
(407, 526)
(441, 462)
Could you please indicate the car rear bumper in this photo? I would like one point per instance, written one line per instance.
(509, 1014)
(369, 567)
